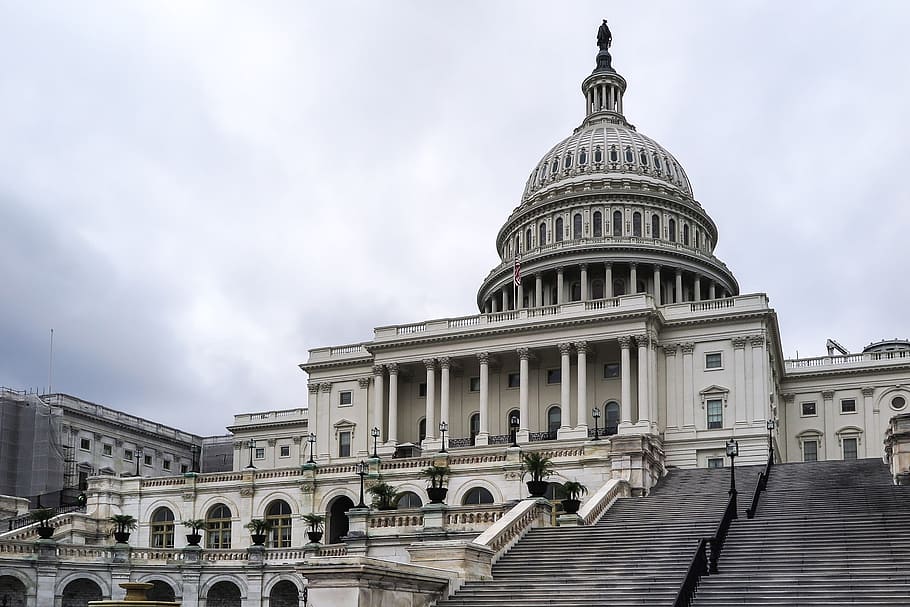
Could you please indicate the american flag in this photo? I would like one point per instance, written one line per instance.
(517, 272)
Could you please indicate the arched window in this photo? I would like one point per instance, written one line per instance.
(697, 239)
(474, 425)
(575, 291)
(218, 527)
(611, 417)
(583, 157)
(619, 287)
(513, 413)
(554, 420)
(567, 161)
(614, 154)
(278, 514)
(643, 158)
(657, 162)
(617, 223)
(528, 233)
(629, 156)
(558, 229)
(686, 234)
(555, 168)
(421, 430)
(671, 228)
(408, 499)
(597, 289)
(655, 226)
(477, 496)
(598, 224)
(636, 224)
(542, 235)
(576, 226)
(543, 171)
(162, 528)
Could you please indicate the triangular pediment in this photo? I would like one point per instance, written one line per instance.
(343, 423)
(714, 389)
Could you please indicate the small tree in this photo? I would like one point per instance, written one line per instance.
(41, 516)
(122, 523)
(574, 490)
(436, 476)
(537, 465)
(258, 526)
(195, 524)
(384, 496)
(314, 520)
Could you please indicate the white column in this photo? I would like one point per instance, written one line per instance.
(584, 282)
(760, 405)
(378, 394)
(393, 403)
(674, 407)
(608, 280)
(523, 356)
(740, 394)
(625, 363)
(633, 278)
(711, 292)
(483, 435)
(657, 285)
(520, 300)
(644, 403)
(494, 305)
(560, 288)
(324, 436)
(688, 378)
(505, 298)
(430, 364)
(653, 392)
(697, 288)
(444, 365)
(565, 384)
(581, 417)
(538, 290)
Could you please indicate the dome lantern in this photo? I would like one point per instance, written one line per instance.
(604, 88)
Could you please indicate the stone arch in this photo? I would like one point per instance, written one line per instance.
(284, 593)
(80, 591)
(224, 593)
(329, 498)
(217, 579)
(883, 402)
(203, 507)
(479, 482)
(14, 589)
(76, 575)
(282, 577)
(267, 498)
(149, 510)
(164, 586)
(337, 523)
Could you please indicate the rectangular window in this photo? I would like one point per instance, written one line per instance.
(85, 444)
(808, 409)
(611, 370)
(259, 453)
(422, 390)
(285, 451)
(810, 451)
(850, 448)
(554, 376)
(166, 464)
(514, 380)
(344, 444)
(128, 455)
(107, 450)
(715, 462)
(848, 405)
(474, 384)
(345, 398)
(715, 413)
(184, 468)
(714, 360)
(147, 460)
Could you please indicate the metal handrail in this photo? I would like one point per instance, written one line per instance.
(698, 567)
(760, 486)
(26, 519)
(720, 536)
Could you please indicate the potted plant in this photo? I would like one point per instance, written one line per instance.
(573, 490)
(42, 516)
(540, 468)
(259, 530)
(384, 496)
(122, 525)
(436, 478)
(195, 524)
(315, 521)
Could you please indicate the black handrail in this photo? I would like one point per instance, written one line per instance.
(720, 536)
(760, 486)
(698, 567)
(26, 519)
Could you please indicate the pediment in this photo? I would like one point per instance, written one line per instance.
(343, 423)
(714, 389)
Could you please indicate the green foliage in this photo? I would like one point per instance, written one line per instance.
(195, 524)
(41, 515)
(384, 496)
(537, 465)
(123, 523)
(258, 526)
(314, 520)
(436, 475)
(574, 490)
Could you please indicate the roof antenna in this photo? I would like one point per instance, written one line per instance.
(50, 365)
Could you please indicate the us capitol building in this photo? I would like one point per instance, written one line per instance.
(609, 337)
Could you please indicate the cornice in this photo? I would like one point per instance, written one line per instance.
(273, 425)
(331, 364)
(789, 375)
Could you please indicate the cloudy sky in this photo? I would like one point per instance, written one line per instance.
(193, 194)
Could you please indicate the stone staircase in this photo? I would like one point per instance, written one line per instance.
(637, 554)
(826, 533)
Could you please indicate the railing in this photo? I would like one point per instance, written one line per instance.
(760, 486)
(720, 536)
(698, 568)
(26, 519)
(603, 499)
(514, 524)
(845, 359)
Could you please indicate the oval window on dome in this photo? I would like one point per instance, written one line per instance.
(643, 158)
(629, 156)
(614, 154)
(582, 157)
(617, 223)
(542, 235)
(555, 167)
(558, 229)
(898, 403)
(598, 154)
(567, 161)
(598, 224)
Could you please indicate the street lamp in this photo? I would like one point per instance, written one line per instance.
(195, 450)
(732, 452)
(252, 445)
(595, 413)
(513, 429)
(443, 428)
(771, 424)
(138, 459)
(312, 440)
(362, 472)
(375, 434)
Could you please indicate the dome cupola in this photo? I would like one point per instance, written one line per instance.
(606, 212)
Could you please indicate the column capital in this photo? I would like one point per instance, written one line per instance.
(445, 362)
(296, 439)
(325, 387)
(429, 363)
(271, 442)
(868, 391)
(364, 382)
(757, 341)
(524, 353)
(583, 266)
(625, 342)
(670, 349)
(739, 342)
(643, 340)
(312, 388)
(564, 348)
(687, 348)
(657, 267)
(483, 358)
(679, 271)
(393, 368)
(377, 369)
(581, 347)
(788, 397)
(828, 394)
(633, 265)
(560, 270)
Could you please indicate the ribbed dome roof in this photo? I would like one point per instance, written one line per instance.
(606, 148)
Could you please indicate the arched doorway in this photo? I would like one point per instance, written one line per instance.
(79, 592)
(338, 518)
(284, 594)
(223, 594)
(161, 591)
(13, 590)
(611, 421)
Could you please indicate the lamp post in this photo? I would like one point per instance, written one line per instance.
(252, 445)
(138, 459)
(443, 428)
(595, 413)
(513, 429)
(312, 440)
(362, 472)
(195, 450)
(771, 424)
(732, 452)
(375, 434)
